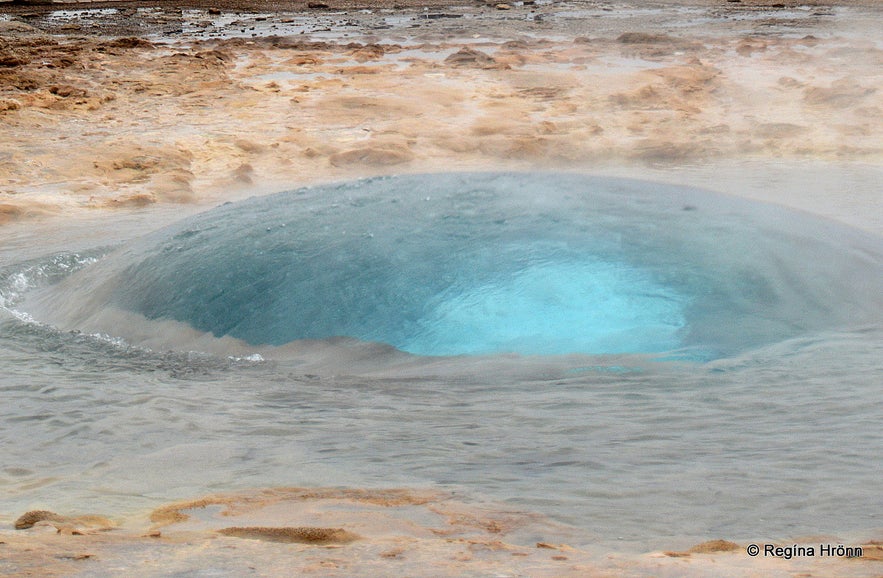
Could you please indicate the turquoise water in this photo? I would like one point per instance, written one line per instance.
(483, 263)
(551, 309)
(692, 366)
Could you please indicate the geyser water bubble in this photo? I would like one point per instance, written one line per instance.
(484, 263)
(553, 308)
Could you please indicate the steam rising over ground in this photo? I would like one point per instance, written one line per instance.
(91, 121)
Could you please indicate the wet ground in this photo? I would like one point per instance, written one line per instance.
(93, 118)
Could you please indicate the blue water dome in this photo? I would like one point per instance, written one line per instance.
(489, 263)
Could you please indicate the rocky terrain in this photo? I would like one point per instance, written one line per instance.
(134, 106)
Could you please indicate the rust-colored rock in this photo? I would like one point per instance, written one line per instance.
(301, 535)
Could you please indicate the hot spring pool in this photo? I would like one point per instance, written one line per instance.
(636, 359)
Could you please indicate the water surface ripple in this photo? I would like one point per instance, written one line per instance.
(774, 440)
